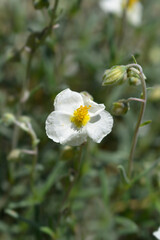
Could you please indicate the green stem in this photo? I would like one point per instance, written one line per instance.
(142, 110)
(135, 99)
(73, 182)
(22, 101)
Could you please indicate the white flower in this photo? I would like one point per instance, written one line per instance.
(157, 234)
(75, 117)
(134, 9)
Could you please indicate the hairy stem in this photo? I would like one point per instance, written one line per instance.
(135, 99)
(140, 117)
(77, 175)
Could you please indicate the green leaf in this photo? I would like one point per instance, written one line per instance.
(54, 176)
(16, 216)
(123, 174)
(48, 231)
(145, 123)
(24, 203)
(126, 226)
(12, 213)
(104, 186)
(145, 172)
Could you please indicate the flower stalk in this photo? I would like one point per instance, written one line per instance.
(140, 117)
(74, 181)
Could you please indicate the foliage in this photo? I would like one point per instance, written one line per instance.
(49, 191)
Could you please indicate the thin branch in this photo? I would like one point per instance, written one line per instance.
(142, 110)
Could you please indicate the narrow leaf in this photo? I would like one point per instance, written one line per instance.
(145, 123)
(47, 231)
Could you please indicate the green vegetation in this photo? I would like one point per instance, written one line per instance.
(53, 192)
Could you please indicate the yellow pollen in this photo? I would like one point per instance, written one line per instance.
(80, 116)
(130, 3)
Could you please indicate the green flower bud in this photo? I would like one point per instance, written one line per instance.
(24, 119)
(67, 153)
(8, 118)
(133, 72)
(134, 81)
(120, 108)
(154, 94)
(133, 75)
(114, 75)
(14, 155)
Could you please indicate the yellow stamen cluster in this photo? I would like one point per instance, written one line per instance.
(80, 116)
(130, 3)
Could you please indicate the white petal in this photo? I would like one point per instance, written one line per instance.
(134, 14)
(50, 127)
(78, 137)
(157, 234)
(111, 6)
(100, 126)
(95, 108)
(60, 129)
(68, 101)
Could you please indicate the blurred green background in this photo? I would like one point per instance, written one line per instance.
(44, 51)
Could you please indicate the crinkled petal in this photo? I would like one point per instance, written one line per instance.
(157, 234)
(111, 6)
(68, 101)
(60, 129)
(100, 126)
(50, 127)
(78, 137)
(134, 14)
(94, 108)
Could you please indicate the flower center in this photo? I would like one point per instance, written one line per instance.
(130, 3)
(80, 116)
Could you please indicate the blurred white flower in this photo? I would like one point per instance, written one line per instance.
(75, 117)
(157, 234)
(134, 9)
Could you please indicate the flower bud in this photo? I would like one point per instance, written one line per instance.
(8, 118)
(67, 153)
(133, 75)
(154, 94)
(14, 154)
(114, 75)
(132, 72)
(24, 119)
(120, 108)
(134, 81)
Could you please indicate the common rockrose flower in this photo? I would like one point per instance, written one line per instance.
(75, 117)
(133, 12)
(157, 234)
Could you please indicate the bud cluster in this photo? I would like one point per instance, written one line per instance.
(131, 73)
(114, 75)
(121, 73)
(120, 107)
(133, 76)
